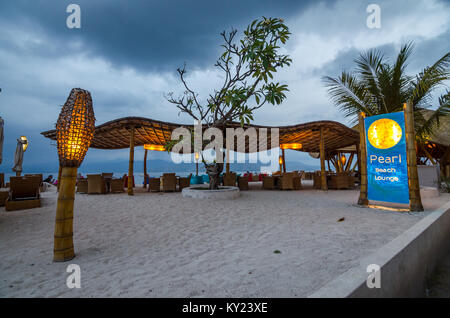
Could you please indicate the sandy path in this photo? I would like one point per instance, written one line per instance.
(163, 245)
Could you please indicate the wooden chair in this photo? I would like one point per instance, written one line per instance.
(2, 180)
(229, 179)
(116, 186)
(107, 175)
(268, 183)
(339, 181)
(96, 184)
(154, 184)
(23, 193)
(287, 181)
(184, 182)
(317, 183)
(297, 180)
(243, 183)
(82, 185)
(169, 182)
(352, 181)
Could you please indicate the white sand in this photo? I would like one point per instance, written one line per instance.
(163, 245)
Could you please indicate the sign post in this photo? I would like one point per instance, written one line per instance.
(415, 201)
(388, 160)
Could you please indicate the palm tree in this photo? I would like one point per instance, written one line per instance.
(377, 87)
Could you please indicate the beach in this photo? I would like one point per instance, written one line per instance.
(263, 244)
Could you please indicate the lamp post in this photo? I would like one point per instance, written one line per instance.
(196, 163)
(280, 161)
(74, 131)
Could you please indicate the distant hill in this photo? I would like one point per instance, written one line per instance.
(155, 165)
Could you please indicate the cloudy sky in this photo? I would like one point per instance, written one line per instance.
(126, 54)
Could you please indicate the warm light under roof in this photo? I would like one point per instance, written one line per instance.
(294, 146)
(154, 147)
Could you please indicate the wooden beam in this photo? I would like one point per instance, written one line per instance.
(349, 162)
(131, 162)
(323, 183)
(415, 201)
(363, 159)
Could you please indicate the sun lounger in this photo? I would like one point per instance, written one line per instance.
(154, 184)
(169, 182)
(243, 183)
(116, 185)
(82, 185)
(41, 178)
(96, 184)
(287, 181)
(23, 193)
(3, 196)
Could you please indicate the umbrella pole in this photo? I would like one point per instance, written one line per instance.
(131, 162)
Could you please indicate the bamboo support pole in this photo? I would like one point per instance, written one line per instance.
(415, 201)
(323, 183)
(131, 162)
(63, 239)
(145, 168)
(284, 161)
(363, 162)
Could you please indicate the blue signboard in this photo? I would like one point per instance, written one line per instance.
(387, 170)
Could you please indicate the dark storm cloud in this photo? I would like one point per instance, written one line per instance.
(126, 54)
(146, 35)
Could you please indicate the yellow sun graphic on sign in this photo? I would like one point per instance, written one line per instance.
(384, 133)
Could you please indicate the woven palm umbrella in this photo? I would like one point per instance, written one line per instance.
(75, 130)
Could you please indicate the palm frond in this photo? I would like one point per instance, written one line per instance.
(428, 80)
(349, 94)
(429, 125)
(399, 80)
(368, 67)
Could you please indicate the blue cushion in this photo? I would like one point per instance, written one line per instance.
(196, 180)
(205, 178)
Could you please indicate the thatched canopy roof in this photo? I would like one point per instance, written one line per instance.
(115, 134)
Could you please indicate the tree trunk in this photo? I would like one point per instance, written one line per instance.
(214, 170)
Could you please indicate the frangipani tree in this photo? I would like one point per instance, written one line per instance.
(248, 65)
